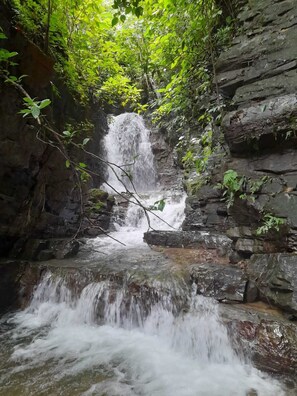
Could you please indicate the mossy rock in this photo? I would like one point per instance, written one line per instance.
(95, 195)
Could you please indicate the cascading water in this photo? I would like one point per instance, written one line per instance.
(108, 341)
(126, 324)
(128, 144)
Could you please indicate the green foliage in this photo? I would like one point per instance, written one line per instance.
(119, 88)
(128, 49)
(270, 223)
(158, 205)
(81, 39)
(243, 187)
(33, 107)
(125, 7)
(231, 185)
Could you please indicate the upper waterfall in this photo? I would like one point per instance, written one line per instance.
(128, 147)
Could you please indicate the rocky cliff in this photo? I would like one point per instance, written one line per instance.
(257, 77)
(38, 194)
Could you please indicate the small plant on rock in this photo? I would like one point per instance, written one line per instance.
(270, 223)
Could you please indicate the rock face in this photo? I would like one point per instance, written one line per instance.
(18, 279)
(275, 276)
(225, 284)
(38, 194)
(270, 339)
(258, 73)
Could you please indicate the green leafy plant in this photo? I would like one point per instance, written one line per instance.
(270, 223)
(244, 187)
(158, 205)
(33, 107)
(232, 185)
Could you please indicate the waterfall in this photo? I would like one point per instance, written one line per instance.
(123, 321)
(128, 144)
(106, 340)
(128, 147)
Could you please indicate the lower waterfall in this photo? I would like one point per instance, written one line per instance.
(106, 340)
(121, 321)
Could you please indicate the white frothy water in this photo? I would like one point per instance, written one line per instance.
(128, 147)
(128, 142)
(140, 350)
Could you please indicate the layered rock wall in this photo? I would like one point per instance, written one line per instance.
(257, 77)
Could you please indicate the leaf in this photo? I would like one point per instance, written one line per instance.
(82, 165)
(138, 11)
(11, 79)
(67, 133)
(122, 18)
(2, 36)
(35, 111)
(67, 164)
(25, 112)
(28, 100)
(85, 141)
(114, 21)
(44, 103)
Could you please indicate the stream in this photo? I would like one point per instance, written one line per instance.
(122, 320)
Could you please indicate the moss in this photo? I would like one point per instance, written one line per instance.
(95, 195)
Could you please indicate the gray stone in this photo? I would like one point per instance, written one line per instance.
(284, 205)
(271, 117)
(45, 255)
(66, 249)
(276, 278)
(191, 239)
(237, 232)
(220, 282)
(249, 246)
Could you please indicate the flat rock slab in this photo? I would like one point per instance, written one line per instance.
(190, 239)
(227, 284)
(275, 276)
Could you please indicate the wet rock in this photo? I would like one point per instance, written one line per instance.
(265, 336)
(11, 290)
(276, 278)
(45, 249)
(223, 283)
(66, 249)
(249, 246)
(189, 239)
(98, 211)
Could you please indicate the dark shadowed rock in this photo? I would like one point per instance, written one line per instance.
(45, 249)
(17, 280)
